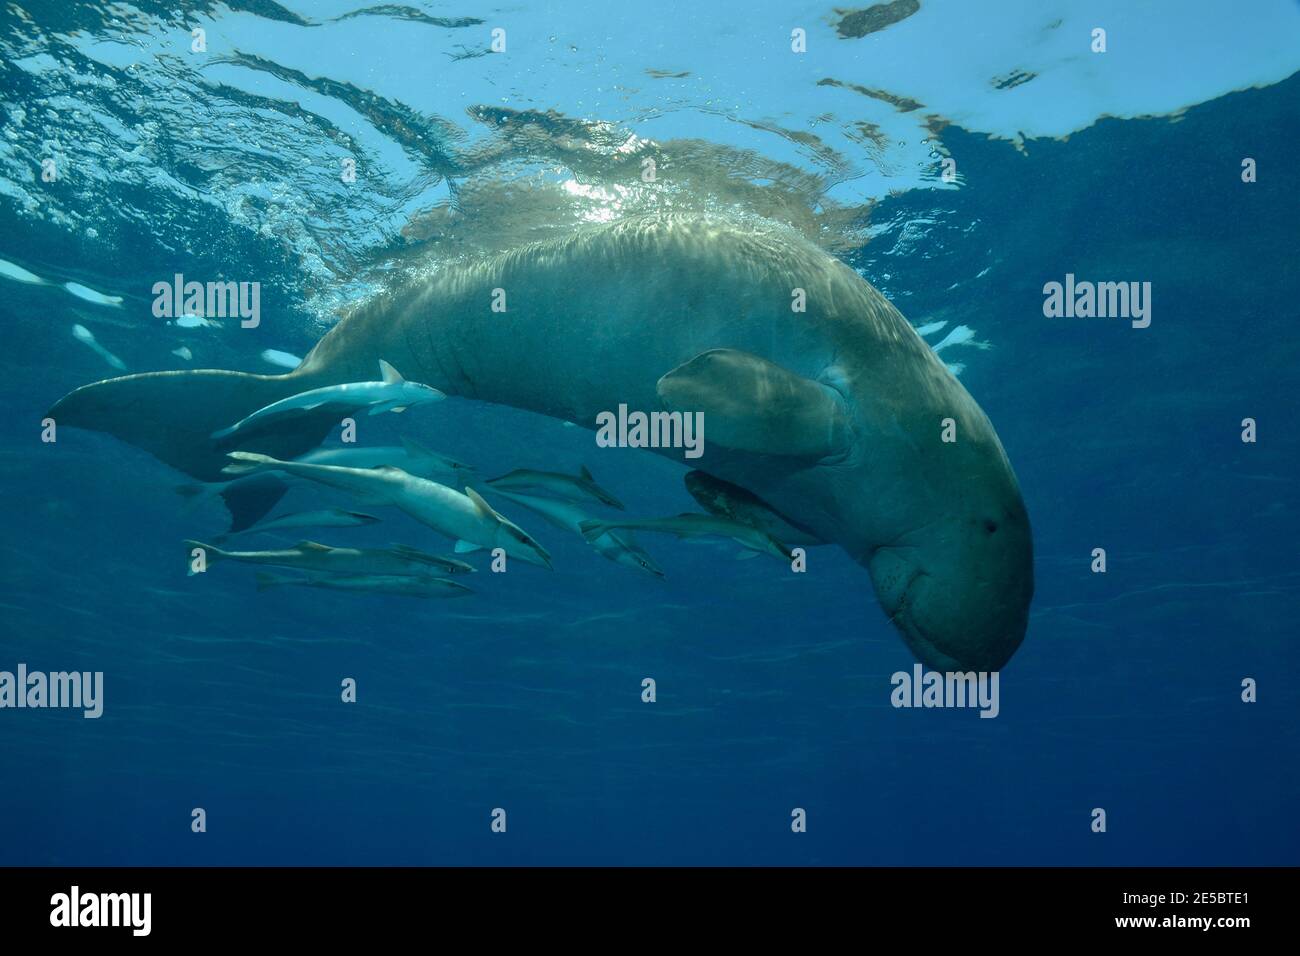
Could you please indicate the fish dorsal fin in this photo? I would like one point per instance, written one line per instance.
(388, 374)
(584, 474)
(408, 551)
(312, 546)
(414, 448)
(482, 506)
(465, 547)
(755, 405)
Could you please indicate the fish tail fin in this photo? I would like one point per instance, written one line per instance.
(172, 415)
(211, 553)
(591, 530)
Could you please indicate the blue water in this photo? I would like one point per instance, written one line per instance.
(773, 688)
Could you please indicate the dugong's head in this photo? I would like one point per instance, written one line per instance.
(957, 580)
(932, 509)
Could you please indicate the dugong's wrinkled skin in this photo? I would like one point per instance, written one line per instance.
(597, 319)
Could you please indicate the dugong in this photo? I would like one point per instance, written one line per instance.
(834, 416)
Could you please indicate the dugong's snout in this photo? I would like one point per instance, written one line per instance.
(959, 589)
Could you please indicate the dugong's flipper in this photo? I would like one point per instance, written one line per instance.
(173, 414)
(751, 404)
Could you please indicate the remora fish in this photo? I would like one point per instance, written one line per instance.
(466, 517)
(312, 556)
(726, 500)
(83, 334)
(695, 526)
(621, 549)
(87, 294)
(392, 394)
(580, 487)
(11, 270)
(250, 499)
(418, 585)
(412, 457)
(832, 416)
(325, 518)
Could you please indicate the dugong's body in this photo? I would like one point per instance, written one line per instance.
(833, 416)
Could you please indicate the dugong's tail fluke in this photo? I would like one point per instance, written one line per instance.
(173, 414)
(248, 500)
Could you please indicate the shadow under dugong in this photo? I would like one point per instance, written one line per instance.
(833, 416)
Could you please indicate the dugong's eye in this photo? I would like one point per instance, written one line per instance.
(990, 525)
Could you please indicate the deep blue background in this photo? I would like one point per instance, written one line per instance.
(773, 689)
